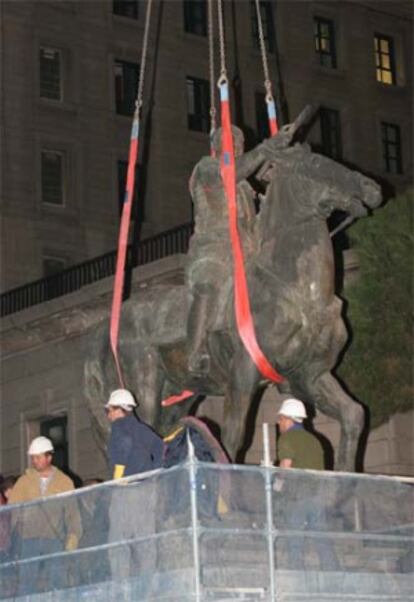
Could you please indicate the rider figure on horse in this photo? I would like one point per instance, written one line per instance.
(210, 256)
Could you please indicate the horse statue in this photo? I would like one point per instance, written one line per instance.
(296, 314)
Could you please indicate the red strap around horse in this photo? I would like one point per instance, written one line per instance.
(242, 303)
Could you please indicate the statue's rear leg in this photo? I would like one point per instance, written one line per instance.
(243, 383)
(331, 399)
(146, 378)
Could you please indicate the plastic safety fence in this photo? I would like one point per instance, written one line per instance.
(214, 532)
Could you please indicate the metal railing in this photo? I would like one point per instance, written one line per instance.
(204, 532)
(73, 278)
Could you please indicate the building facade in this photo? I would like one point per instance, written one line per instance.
(69, 73)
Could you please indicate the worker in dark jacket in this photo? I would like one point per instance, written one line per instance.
(133, 448)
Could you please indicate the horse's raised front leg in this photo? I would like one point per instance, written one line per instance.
(331, 399)
(242, 384)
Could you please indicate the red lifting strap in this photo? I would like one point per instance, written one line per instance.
(242, 304)
(271, 114)
(123, 245)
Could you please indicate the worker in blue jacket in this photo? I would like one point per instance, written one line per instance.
(133, 446)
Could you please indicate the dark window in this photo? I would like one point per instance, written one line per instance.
(137, 202)
(331, 133)
(391, 147)
(198, 104)
(126, 86)
(266, 13)
(262, 120)
(56, 430)
(52, 266)
(50, 73)
(325, 42)
(125, 8)
(384, 59)
(52, 178)
(195, 17)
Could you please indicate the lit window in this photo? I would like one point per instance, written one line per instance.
(198, 104)
(195, 17)
(266, 14)
(324, 32)
(125, 8)
(262, 120)
(391, 147)
(50, 73)
(52, 177)
(384, 59)
(331, 133)
(126, 86)
(137, 206)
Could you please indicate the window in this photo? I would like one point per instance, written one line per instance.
(125, 8)
(56, 430)
(198, 104)
(325, 42)
(266, 14)
(50, 73)
(384, 59)
(52, 177)
(126, 86)
(262, 120)
(52, 266)
(391, 147)
(195, 17)
(331, 133)
(137, 206)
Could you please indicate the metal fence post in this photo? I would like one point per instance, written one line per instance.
(269, 509)
(192, 463)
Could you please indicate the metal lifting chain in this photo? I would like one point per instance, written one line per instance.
(267, 82)
(138, 102)
(213, 111)
(223, 71)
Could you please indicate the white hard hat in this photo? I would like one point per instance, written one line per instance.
(121, 398)
(293, 408)
(40, 445)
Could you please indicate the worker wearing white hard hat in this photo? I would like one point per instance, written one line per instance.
(46, 530)
(297, 448)
(133, 446)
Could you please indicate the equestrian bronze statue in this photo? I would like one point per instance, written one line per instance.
(185, 337)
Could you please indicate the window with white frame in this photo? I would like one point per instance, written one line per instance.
(391, 148)
(50, 73)
(53, 177)
(198, 104)
(325, 43)
(126, 8)
(126, 86)
(195, 17)
(266, 16)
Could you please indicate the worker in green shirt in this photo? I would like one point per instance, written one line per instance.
(297, 448)
(303, 508)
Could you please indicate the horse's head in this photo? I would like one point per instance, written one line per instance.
(319, 185)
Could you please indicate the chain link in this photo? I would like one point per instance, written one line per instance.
(138, 102)
(267, 82)
(223, 70)
(211, 66)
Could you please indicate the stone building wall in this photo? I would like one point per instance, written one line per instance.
(86, 127)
